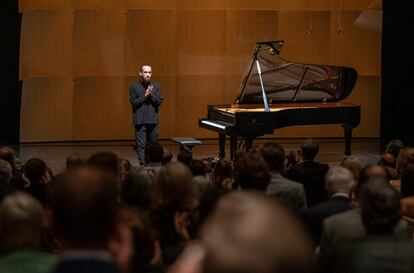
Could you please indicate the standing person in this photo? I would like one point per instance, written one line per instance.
(145, 97)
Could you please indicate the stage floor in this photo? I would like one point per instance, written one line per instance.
(331, 150)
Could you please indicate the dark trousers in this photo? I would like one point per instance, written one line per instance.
(142, 133)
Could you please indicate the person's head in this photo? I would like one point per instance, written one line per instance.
(275, 156)
(339, 180)
(310, 149)
(405, 157)
(369, 172)
(108, 161)
(184, 156)
(252, 171)
(197, 167)
(9, 155)
(223, 170)
(388, 159)
(240, 237)
(5, 172)
(73, 160)
(166, 156)
(125, 166)
(84, 208)
(394, 147)
(35, 170)
(145, 73)
(154, 151)
(352, 164)
(21, 222)
(174, 188)
(380, 206)
(137, 189)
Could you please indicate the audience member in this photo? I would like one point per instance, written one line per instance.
(289, 193)
(166, 156)
(85, 219)
(35, 173)
(9, 155)
(5, 177)
(21, 225)
(73, 160)
(394, 147)
(352, 164)
(240, 237)
(184, 155)
(405, 157)
(380, 250)
(310, 173)
(252, 171)
(137, 188)
(338, 184)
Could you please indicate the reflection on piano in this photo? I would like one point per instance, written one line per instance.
(297, 94)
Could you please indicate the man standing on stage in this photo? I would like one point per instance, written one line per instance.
(145, 97)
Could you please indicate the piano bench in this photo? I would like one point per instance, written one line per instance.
(187, 142)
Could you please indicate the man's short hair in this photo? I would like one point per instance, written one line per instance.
(339, 180)
(154, 151)
(310, 148)
(275, 156)
(197, 167)
(252, 171)
(108, 161)
(142, 66)
(21, 220)
(380, 206)
(84, 206)
(35, 169)
(5, 172)
(73, 160)
(240, 237)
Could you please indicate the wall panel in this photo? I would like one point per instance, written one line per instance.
(101, 109)
(99, 4)
(45, 45)
(98, 43)
(201, 42)
(142, 46)
(46, 109)
(26, 5)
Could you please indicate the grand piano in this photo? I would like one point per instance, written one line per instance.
(276, 93)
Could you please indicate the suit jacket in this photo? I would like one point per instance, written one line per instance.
(348, 226)
(288, 192)
(315, 216)
(312, 175)
(145, 109)
(374, 254)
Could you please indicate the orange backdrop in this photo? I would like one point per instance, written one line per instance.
(78, 58)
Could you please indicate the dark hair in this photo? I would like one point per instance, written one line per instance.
(84, 206)
(253, 172)
(197, 167)
(275, 156)
(394, 147)
(34, 169)
(367, 174)
(184, 156)
(310, 148)
(166, 156)
(8, 154)
(140, 68)
(137, 188)
(108, 161)
(154, 151)
(73, 160)
(380, 206)
(407, 181)
(222, 170)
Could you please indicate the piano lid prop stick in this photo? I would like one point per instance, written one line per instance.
(259, 71)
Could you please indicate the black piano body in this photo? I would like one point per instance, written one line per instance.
(297, 94)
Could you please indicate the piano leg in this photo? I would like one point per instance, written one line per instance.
(233, 146)
(222, 145)
(348, 138)
(248, 143)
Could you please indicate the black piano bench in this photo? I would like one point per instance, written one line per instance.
(187, 142)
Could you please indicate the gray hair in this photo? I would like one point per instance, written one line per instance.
(21, 220)
(339, 180)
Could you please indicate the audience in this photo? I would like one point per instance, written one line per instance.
(21, 228)
(106, 215)
(310, 173)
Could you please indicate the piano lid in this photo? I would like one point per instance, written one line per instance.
(293, 82)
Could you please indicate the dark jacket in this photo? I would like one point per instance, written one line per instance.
(145, 109)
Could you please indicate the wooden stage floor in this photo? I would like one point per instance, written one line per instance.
(331, 150)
